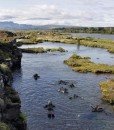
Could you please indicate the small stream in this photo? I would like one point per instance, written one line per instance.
(69, 114)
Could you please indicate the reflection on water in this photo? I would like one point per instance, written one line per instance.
(69, 114)
(78, 47)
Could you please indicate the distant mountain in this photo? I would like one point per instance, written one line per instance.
(16, 26)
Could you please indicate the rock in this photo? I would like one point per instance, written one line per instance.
(13, 105)
(15, 98)
(2, 104)
(10, 58)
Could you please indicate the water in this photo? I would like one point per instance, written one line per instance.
(94, 35)
(97, 55)
(69, 114)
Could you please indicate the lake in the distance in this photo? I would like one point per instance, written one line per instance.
(69, 114)
(94, 35)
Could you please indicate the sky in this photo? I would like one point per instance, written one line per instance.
(58, 12)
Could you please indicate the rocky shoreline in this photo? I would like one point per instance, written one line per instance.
(11, 117)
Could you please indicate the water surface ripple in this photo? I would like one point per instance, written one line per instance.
(69, 114)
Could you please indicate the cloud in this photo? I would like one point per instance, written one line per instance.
(81, 13)
(6, 17)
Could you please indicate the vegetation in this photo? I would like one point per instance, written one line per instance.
(22, 117)
(104, 30)
(42, 50)
(27, 37)
(107, 88)
(4, 126)
(66, 38)
(5, 69)
(100, 43)
(6, 36)
(28, 41)
(84, 65)
(34, 50)
(60, 49)
(4, 55)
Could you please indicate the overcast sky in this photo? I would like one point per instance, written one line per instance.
(60, 12)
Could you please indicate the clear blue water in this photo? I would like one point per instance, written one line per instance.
(69, 114)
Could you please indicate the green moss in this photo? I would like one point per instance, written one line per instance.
(22, 117)
(4, 126)
(107, 89)
(84, 65)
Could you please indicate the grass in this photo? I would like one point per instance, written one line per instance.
(107, 89)
(51, 36)
(90, 42)
(84, 65)
(42, 50)
(28, 42)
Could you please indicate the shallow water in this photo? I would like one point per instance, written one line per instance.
(97, 55)
(69, 114)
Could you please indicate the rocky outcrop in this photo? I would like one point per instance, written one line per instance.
(10, 54)
(11, 117)
(10, 105)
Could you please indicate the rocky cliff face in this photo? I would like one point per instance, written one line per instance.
(11, 117)
(10, 55)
